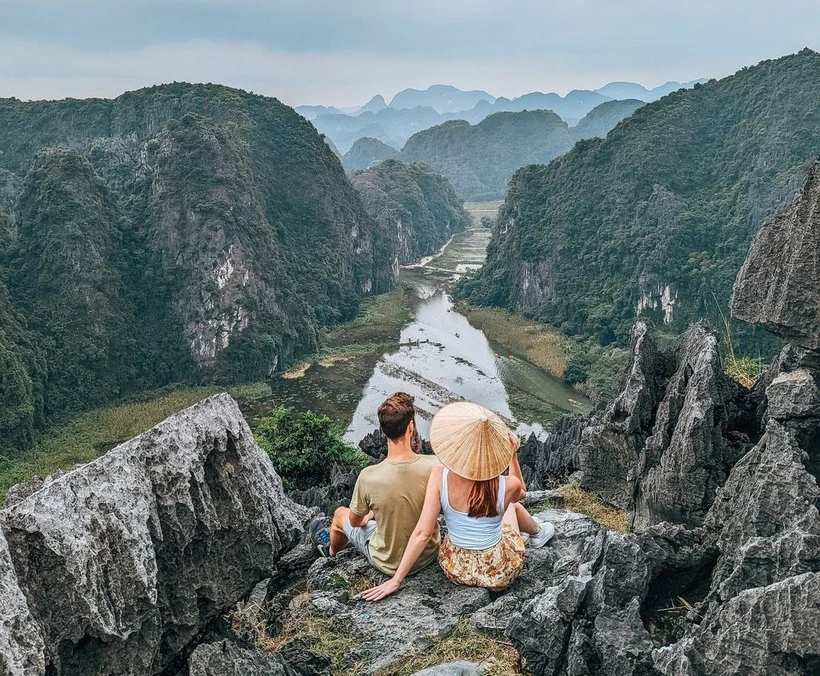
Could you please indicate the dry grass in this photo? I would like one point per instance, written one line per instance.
(577, 500)
(328, 637)
(541, 345)
(296, 371)
(333, 359)
(464, 643)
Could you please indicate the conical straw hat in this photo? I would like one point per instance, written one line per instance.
(471, 440)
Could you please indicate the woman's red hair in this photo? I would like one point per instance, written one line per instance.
(483, 499)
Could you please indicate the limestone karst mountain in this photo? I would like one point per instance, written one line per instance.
(415, 209)
(366, 153)
(655, 219)
(480, 159)
(599, 121)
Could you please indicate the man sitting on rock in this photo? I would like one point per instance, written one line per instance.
(387, 499)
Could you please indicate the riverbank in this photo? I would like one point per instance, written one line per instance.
(539, 344)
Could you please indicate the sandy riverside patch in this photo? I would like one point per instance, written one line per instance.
(297, 371)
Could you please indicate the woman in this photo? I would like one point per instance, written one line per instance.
(481, 506)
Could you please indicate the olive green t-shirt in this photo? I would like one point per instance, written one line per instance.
(395, 492)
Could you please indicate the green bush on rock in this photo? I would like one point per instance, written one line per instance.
(305, 447)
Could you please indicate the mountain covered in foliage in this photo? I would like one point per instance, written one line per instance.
(367, 152)
(180, 232)
(656, 218)
(599, 121)
(416, 209)
(480, 159)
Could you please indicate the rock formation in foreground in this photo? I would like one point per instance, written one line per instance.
(124, 562)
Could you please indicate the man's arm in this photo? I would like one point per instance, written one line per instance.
(358, 521)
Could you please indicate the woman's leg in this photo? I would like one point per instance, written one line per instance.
(524, 523)
(511, 517)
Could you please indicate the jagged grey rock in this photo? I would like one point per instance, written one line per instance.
(226, 658)
(668, 441)
(22, 651)
(779, 284)
(124, 561)
(767, 631)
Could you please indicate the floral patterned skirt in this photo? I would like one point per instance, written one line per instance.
(493, 569)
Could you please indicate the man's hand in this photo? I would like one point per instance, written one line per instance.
(382, 591)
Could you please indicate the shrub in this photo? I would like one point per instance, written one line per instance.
(305, 447)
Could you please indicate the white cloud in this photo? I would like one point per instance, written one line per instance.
(340, 53)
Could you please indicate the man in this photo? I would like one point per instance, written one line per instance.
(387, 499)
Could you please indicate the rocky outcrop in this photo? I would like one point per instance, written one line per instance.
(123, 562)
(666, 443)
(226, 658)
(21, 641)
(779, 284)
(428, 606)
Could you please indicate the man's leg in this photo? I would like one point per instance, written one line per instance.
(338, 537)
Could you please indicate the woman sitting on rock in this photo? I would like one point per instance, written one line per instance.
(481, 506)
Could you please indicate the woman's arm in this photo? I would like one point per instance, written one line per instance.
(515, 467)
(424, 530)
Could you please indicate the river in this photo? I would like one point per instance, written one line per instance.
(437, 356)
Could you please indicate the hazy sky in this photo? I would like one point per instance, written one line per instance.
(341, 52)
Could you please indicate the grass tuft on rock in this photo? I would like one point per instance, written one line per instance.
(463, 643)
(578, 500)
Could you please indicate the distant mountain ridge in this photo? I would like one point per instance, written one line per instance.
(413, 110)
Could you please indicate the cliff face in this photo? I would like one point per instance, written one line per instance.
(174, 232)
(416, 210)
(777, 285)
(654, 221)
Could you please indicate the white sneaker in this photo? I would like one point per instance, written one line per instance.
(543, 536)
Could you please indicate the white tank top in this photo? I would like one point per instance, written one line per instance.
(472, 532)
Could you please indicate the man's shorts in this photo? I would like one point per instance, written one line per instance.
(360, 537)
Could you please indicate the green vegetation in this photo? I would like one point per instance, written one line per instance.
(305, 447)
(90, 434)
(596, 370)
(479, 159)
(191, 233)
(599, 121)
(415, 209)
(667, 202)
(366, 153)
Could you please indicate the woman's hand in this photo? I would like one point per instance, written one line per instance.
(382, 591)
